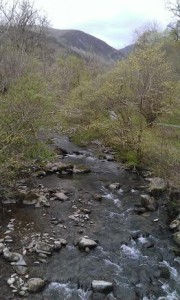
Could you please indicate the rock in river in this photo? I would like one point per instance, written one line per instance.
(176, 238)
(61, 196)
(35, 284)
(174, 224)
(45, 248)
(81, 169)
(14, 257)
(114, 186)
(157, 186)
(101, 286)
(20, 270)
(148, 202)
(84, 243)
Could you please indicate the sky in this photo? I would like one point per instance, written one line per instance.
(113, 21)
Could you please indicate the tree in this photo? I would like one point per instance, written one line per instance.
(22, 35)
(22, 25)
(174, 8)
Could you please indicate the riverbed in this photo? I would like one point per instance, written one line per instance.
(134, 252)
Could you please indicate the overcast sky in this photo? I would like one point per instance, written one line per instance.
(113, 21)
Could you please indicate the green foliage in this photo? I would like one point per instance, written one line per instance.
(24, 111)
(141, 91)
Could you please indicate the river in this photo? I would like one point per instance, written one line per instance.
(134, 252)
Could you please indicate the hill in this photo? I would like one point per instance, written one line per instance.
(83, 44)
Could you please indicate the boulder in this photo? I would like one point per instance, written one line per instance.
(176, 237)
(11, 281)
(30, 198)
(101, 286)
(42, 201)
(85, 242)
(61, 196)
(81, 170)
(57, 245)
(147, 200)
(45, 248)
(35, 284)
(58, 167)
(20, 270)
(114, 186)
(17, 258)
(174, 224)
(157, 186)
(63, 242)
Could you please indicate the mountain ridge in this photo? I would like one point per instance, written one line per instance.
(81, 43)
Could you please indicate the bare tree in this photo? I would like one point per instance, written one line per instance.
(22, 32)
(22, 25)
(174, 8)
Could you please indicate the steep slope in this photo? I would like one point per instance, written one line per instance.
(84, 44)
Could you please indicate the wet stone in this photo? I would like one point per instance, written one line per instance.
(1, 248)
(42, 260)
(114, 186)
(11, 281)
(140, 210)
(157, 186)
(174, 224)
(42, 255)
(20, 270)
(43, 248)
(98, 197)
(85, 242)
(176, 238)
(13, 257)
(35, 284)
(61, 196)
(22, 293)
(57, 245)
(101, 286)
(63, 242)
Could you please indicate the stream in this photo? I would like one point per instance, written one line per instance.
(134, 252)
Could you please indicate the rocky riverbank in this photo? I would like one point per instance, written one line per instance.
(89, 229)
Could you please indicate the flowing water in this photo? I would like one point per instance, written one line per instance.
(134, 252)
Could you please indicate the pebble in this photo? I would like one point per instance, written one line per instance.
(11, 281)
(42, 255)
(24, 288)
(9, 240)
(42, 260)
(7, 232)
(63, 242)
(7, 237)
(1, 248)
(22, 293)
(57, 245)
